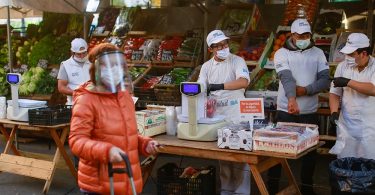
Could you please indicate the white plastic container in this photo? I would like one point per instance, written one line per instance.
(171, 119)
(3, 107)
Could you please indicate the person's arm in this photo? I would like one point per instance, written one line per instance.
(334, 102)
(322, 83)
(236, 84)
(366, 88)
(62, 86)
(62, 83)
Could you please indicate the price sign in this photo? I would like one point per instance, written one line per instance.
(137, 55)
(250, 108)
(167, 55)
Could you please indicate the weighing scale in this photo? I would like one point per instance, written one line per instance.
(18, 109)
(193, 123)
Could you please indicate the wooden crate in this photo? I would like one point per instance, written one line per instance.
(148, 93)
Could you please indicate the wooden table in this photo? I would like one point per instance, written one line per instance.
(30, 166)
(259, 161)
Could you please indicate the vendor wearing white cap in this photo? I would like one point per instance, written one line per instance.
(74, 71)
(227, 76)
(354, 84)
(303, 72)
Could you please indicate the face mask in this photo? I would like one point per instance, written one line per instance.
(350, 61)
(303, 44)
(81, 60)
(223, 54)
(110, 77)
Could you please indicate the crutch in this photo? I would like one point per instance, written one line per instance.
(127, 170)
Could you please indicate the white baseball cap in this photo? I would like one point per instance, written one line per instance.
(300, 26)
(354, 42)
(79, 45)
(215, 36)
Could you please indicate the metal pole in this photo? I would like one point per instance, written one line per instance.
(205, 31)
(9, 41)
(370, 19)
(85, 26)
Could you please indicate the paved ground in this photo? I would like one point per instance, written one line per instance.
(63, 183)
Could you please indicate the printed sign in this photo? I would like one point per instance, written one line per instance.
(251, 107)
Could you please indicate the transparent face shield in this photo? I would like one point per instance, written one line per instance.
(112, 72)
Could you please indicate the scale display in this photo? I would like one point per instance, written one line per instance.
(13, 78)
(190, 88)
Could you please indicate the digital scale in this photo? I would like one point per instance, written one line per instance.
(18, 109)
(193, 123)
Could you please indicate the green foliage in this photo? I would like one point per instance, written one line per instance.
(37, 81)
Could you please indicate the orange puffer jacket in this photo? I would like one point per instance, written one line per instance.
(100, 121)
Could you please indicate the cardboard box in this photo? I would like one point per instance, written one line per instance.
(293, 140)
(235, 139)
(151, 122)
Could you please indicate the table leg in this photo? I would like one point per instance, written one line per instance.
(292, 181)
(258, 179)
(6, 136)
(60, 149)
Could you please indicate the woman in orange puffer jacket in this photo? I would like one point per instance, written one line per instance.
(103, 125)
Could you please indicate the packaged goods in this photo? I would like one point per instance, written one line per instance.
(235, 136)
(151, 122)
(292, 138)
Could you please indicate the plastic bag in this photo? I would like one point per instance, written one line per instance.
(210, 107)
(356, 175)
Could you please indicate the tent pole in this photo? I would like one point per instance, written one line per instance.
(9, 41)
(85, 26)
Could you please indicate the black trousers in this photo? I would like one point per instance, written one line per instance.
(308, 161)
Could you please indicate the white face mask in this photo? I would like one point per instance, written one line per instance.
(111, 77)
(223, 54)
(303, 44)
(350, 61)
(81, 60)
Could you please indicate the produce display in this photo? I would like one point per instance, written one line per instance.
(133, 44)
(254, 46)
(234, 46)
(279, 43)
(268, 81)
(151, 81)
(234, 21)
(124, 22)
(168, 48)
(150, 49)
(136, 71)
(190, 48)
(37, 81)
(95, 41)
(300, 9)
(176, 76)
(50, 48)
(4, 86)
(107, 18)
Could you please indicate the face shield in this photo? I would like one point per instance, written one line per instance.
(112, 72)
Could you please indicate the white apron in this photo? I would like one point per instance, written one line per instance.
(356, 124)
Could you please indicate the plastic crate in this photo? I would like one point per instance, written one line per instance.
(169, 182)
(50, 115)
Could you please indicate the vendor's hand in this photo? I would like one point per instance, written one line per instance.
(340, 82)
(293, 106)
(114, 155)
(215, 87)
(300, 91)
(153, 147)
(333, 118)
